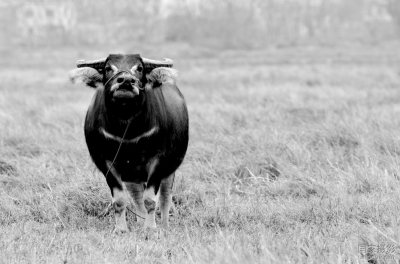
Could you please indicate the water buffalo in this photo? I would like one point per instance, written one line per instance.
(136, 130)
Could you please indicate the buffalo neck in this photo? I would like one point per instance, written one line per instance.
(116, 123)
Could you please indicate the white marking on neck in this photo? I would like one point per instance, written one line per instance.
(134, 69)
(134, 140)
(114, 68)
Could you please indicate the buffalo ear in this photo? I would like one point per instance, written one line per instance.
(161, 75)
(86, 75)
(151, 82)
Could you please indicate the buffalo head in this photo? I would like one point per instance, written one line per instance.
(122, 76)
(116, 71)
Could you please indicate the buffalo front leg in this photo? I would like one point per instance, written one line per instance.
(118, 200)
(136, 191)
(166, 198)
(150, 202)
(119, 204)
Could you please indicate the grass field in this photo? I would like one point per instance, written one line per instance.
(293, 158)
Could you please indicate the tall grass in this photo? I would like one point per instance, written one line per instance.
(287, 163)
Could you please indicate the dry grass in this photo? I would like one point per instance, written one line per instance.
(287, 163)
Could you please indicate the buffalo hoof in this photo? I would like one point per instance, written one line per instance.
(120, 231)
(165, 225)
(149, 226)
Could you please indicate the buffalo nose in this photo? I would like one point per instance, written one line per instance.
(120, 79)
(129, 79)
(126, 79)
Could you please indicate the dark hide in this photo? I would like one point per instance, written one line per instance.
(160, 106)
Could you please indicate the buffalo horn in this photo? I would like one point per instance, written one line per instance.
(96, 64)
(151, 64)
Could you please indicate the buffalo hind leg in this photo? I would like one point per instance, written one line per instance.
(166, 198)
(136, 191)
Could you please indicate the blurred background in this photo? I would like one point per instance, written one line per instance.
(195, 27)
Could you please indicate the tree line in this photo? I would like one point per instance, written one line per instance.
(224, 24)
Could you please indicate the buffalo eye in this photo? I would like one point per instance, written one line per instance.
(140, 69)
(108, 68)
